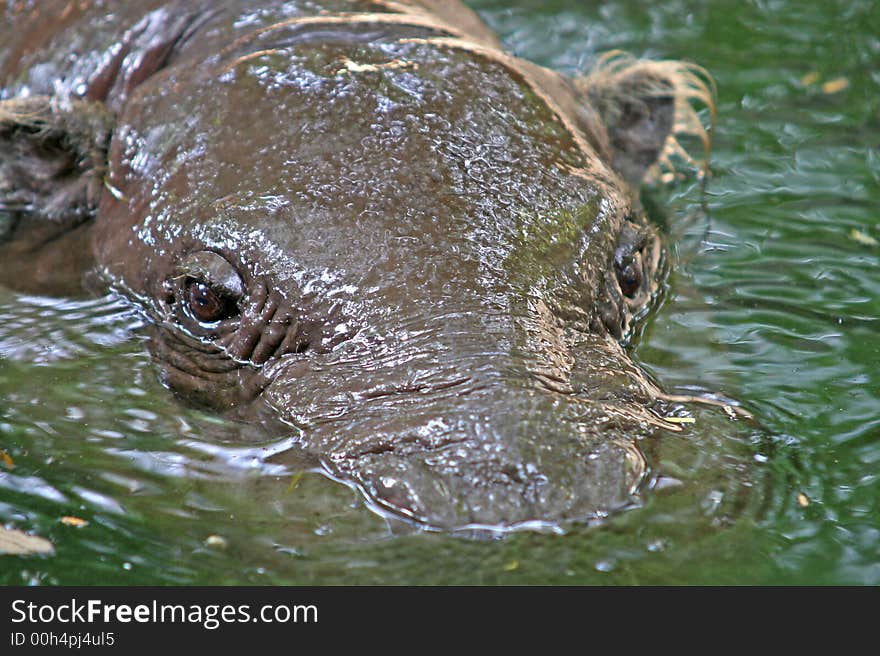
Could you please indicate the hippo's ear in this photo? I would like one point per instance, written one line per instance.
(644, 106)
(52, 158)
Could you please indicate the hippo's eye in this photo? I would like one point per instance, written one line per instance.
(630, 278)
(206, 304)
(212, 288)
(628, 257)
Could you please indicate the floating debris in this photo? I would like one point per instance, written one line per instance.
(863, 237)
(836, 85)
(69, 520)
(680, 420)
(810, 79)
(216, 542)
(294, 481)
(18, 543)
(803, 500)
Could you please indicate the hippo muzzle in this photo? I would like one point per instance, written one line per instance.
(418, 253)
(464, 437)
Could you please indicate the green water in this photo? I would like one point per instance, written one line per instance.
(774, 300)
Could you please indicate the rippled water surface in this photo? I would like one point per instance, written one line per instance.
(774, 301)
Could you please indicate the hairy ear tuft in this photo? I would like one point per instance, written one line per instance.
(52, 158)
(646, 106)
(52, 161)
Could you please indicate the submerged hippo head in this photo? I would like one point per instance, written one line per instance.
(419, 253)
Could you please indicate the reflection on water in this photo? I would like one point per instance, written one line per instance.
(773, 301)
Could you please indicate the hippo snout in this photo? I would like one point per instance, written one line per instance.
(484, 444)
(501, 475)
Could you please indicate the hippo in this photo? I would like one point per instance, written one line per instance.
(361, 223)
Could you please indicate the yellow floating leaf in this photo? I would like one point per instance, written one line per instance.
(6, 459)
(803, 500)
(19, 543)
(74, 521)
(836, 85)
(810, 78)
(680, 420)
(294, 481)
(511, 566)
(863, 238)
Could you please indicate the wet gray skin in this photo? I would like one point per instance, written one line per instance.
(373, 229)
